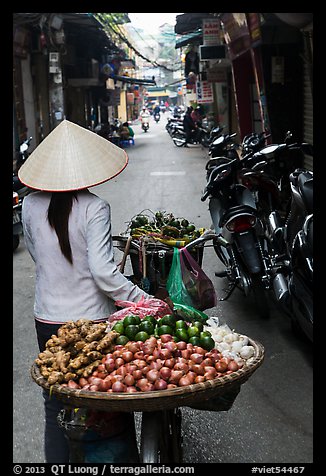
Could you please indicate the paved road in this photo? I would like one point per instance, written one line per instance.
(271, 419)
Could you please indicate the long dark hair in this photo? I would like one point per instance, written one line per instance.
(58, 216)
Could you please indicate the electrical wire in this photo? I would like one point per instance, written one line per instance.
(122, 37)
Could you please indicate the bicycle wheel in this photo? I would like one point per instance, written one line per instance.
(161, 440)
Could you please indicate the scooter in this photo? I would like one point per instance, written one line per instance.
(16, 221)
(293, 286)
(157, 117)
(240, 242)
(145, 123)
(199, 136)
(224, 146)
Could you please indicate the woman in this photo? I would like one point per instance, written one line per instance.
(67, 231)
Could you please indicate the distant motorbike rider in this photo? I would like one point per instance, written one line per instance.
(144, 115)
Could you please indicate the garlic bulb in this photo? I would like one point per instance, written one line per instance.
(247, 351)
(237, 345)
(229, 338)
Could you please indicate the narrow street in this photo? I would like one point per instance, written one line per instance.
(271, 419)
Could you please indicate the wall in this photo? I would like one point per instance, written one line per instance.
(29, 100)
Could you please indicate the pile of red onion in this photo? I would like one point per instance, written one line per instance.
(156, 364)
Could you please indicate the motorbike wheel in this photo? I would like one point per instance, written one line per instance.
(205, 140)
(15, 242)
(178, 140)
(260, 297)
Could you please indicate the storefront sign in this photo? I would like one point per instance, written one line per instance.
(217, 75)
(254, 27)
(211, 29)
(236, 33)
(204, 91)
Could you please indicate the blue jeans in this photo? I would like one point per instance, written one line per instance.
(56, 444)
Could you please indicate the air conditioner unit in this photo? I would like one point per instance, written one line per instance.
(211, 52)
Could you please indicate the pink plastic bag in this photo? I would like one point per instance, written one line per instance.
(197, 283)
(144, 307)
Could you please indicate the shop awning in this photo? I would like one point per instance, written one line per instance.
(128, 79)
(190, 38)
(189, 22)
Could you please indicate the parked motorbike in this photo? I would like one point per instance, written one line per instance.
(293, 284)
(253, 142)
(200, 136)
(173, 124)
(279, 161)
(224, 146)
(240, 243)
(18, 186)
(16, 221)
(23, 152)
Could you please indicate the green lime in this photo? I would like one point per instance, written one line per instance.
(141, 335)
(207, 343)
(164, 329)
(150, 319)
(122, 340)
(159, 322)
(205, 334)
(193, 331)
(131, 331)
(168, 320)
(195, 340)
(131, 320)
(182, 334)
(118, 327)
(199, 325)
(191, 228)
(146, 326)
(181, 324)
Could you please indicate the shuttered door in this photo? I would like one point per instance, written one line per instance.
(307, 110)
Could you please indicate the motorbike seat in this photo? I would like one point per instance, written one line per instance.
(305, 185)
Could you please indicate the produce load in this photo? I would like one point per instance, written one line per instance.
(142, 355)
(75, 351)
(134, 328)
(157, 364)
(144, 307)
(164, 227)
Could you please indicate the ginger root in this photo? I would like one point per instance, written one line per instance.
(75, 351)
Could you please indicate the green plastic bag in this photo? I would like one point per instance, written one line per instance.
(189, 313)
(174, 285)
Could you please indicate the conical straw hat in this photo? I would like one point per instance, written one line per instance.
(71, 158)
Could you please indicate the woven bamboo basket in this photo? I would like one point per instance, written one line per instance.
(155, 400)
